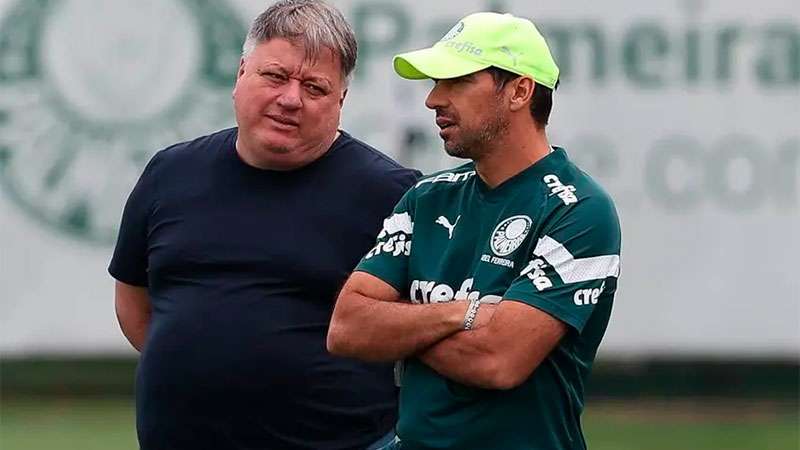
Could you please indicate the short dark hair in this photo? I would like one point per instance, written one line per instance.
(541, 102)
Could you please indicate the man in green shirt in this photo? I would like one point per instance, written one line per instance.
(493, 281)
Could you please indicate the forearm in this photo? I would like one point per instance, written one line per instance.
(375, 330)
(135, 331)
(134, 320)
(501, 355)
(465, 358)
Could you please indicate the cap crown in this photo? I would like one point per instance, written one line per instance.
(503, 41)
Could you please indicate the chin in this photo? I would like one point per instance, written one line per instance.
(455, 150)
(277, 144)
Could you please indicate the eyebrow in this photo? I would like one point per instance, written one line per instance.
(312, 78)
(321, 80)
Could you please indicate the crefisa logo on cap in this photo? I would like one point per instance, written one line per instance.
(455, 31)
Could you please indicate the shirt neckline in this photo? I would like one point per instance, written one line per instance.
(234, 155)
(552, 161)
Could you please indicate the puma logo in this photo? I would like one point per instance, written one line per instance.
(442, 220)
(510, 54)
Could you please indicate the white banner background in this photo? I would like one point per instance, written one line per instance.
(700, 150)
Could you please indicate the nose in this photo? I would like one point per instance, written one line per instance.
(290, 96)
(436, 98)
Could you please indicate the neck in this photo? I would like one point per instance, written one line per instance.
(510, 154)
(267, 160)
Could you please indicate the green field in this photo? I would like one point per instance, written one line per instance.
(108, 424)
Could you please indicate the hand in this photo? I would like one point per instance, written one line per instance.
(484, 316)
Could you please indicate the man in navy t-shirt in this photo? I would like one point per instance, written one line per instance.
(233, 246)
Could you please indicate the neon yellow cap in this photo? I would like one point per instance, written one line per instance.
(479, 41)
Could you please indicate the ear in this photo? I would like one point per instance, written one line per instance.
(240, 72)
(521, 93)
(341, 100)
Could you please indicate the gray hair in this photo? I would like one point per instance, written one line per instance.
(314, 23)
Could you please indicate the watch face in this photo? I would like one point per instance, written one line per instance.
(91, 89)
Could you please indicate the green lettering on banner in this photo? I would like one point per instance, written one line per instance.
(779, 63)
(731, 192)
(368, 16)
(651, 54)
(19, 44)
(693, 42)
(597, 156)
(738, 174)
(786, 173)
(597, 43)
(78, 216)
(58, 168)
(643, 51)
(5, 155)
(727, 38)
(692, 69)
(666, 152)
(561, 39)
(220, 59)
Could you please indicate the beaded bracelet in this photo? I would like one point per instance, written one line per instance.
(472, 312)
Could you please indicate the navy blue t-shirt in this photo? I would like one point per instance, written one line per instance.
(242, 267)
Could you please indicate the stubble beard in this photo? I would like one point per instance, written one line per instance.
(475, 143)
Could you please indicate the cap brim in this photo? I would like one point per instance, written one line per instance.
(434, 63)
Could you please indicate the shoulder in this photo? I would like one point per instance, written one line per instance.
(361, 154)
(374, 167)
(177, 155)
(454, 178)
(576, 203)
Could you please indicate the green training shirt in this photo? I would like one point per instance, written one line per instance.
(550, 238)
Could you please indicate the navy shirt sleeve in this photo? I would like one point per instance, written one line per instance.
(384, 182)
(129, 263)
(386, 193)
(401, 180)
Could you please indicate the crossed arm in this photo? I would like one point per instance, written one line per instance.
(372, 322)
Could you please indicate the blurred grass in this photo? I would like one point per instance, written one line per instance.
(95, 423)
(692, 424)
(67, 423)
